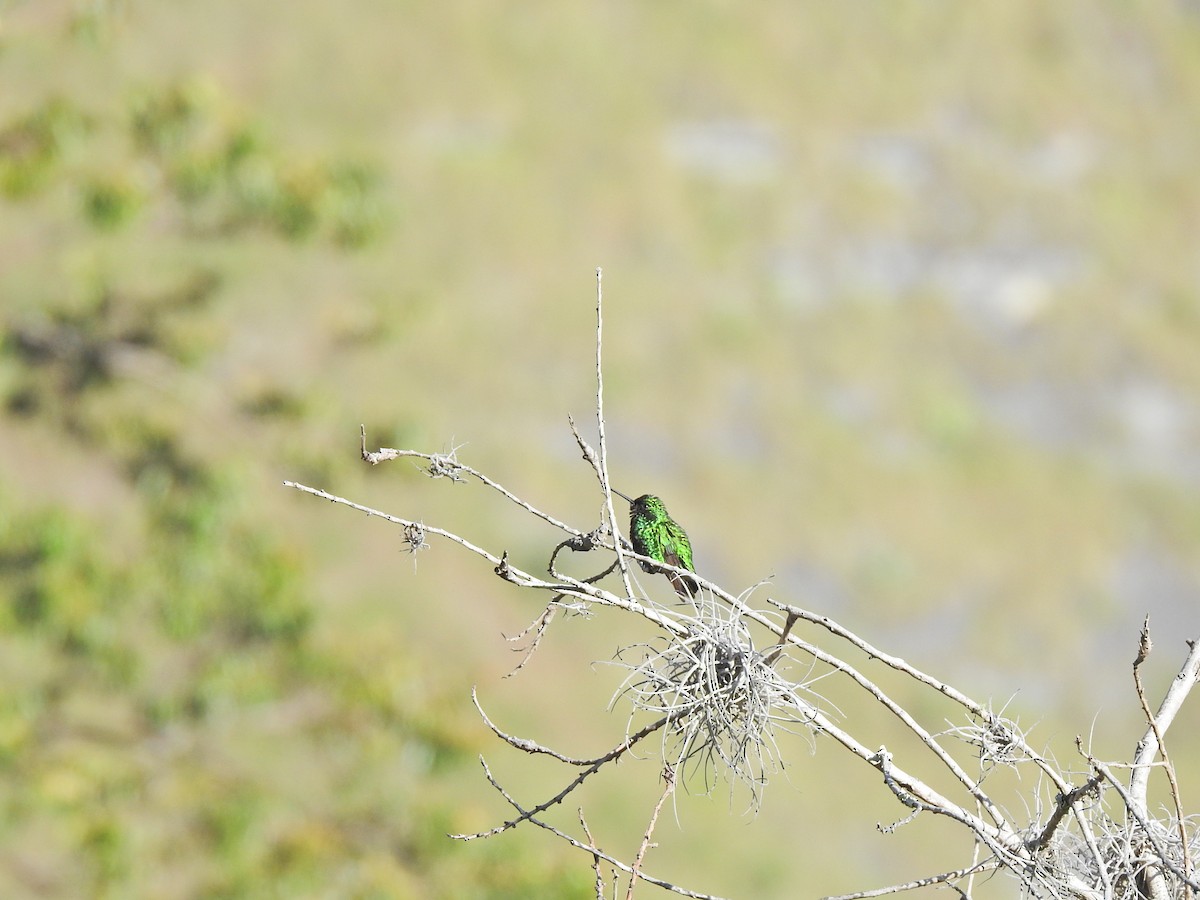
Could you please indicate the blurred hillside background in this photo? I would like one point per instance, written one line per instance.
(902, 309)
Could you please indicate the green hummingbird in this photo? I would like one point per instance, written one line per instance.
(655, 534)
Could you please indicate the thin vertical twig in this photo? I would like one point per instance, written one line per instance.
(1185, 680)
(608, 501)
(587, 832)
(1145, 645)
(668, 789)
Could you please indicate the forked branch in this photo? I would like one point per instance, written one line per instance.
(697, 680)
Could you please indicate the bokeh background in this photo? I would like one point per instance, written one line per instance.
(902, 311)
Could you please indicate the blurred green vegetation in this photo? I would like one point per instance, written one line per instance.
(182, 146)
(169, 724)
(901, 307)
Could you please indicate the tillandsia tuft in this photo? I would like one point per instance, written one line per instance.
(720, 699)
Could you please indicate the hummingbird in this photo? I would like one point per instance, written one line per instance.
(655, 534)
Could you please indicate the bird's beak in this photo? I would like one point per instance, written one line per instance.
(624, 497)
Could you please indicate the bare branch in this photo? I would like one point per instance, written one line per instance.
(1004, 828)
(1136, 810)
(587, 832)
(1185, 680)
(602, 468)
(900, 665)
(668, 789)
(396, 520)
(538, 626)
(946, 878)
(532, 747)
(1065, 803)
(1154, 874)
(530, 816)
(717, 702)
(446, 465)
(593, 766)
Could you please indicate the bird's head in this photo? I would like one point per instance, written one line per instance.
(647, 504)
